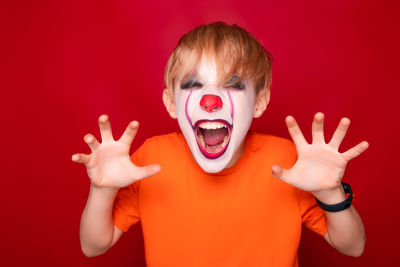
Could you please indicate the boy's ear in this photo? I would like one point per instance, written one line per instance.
(261, 102)
(169, 102)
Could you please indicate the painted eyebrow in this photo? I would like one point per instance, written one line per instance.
(232, 80)
(235, 82)
(190, 82)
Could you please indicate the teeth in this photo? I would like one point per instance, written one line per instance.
(221, 146)
(211, 125)
(201, 140)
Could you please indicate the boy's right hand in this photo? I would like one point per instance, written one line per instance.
(109, 165)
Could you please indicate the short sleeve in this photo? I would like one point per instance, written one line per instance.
(291, 156)
(126, 209)
(313, 216)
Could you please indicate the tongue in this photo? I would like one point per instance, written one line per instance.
(214, 137)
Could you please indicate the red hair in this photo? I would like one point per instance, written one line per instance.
(235, 51)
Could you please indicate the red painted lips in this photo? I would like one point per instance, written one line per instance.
(212, 137)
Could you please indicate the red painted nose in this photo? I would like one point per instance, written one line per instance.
(211, 103)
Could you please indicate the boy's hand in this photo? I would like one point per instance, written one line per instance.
(109, 164)
(319, 167)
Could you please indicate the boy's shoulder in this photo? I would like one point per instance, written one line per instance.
(257, 139)
(279, 149)
(261, 140)
(169, 139)
(165, 143)
(159, 147)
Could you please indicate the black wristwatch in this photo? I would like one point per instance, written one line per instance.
(340, 206)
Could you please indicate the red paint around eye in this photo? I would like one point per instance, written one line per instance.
(211, 103)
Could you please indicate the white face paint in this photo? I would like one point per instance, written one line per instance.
(214, 120)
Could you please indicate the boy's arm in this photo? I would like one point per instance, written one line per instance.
(97, 231)
(109, 168)
(319, 170)
(345, 228)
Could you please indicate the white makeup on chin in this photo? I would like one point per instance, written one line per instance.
(213, 119)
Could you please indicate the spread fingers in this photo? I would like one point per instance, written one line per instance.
(339, 133)
(355, 151)
(130, 133)
(105, 128)
(295, 132)
(91, 141)
(318, 128)
(81, 158)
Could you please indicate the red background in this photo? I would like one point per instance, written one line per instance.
(63, 63)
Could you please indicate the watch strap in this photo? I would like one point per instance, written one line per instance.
(340, 206)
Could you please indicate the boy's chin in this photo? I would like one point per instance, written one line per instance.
(213, 165)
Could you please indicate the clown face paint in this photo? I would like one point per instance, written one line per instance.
(214, 119)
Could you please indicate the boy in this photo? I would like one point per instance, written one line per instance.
(212, 199)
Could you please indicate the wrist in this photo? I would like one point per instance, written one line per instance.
(103, 190)
(331, 196)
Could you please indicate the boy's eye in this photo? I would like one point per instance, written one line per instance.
(191, 84)
(238, 85)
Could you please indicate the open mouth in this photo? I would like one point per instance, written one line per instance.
(212, 137)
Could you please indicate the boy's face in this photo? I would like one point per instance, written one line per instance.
(214, 118)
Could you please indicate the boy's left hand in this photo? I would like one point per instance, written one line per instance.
(319, 167)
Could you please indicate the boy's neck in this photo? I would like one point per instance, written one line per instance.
(238, 154)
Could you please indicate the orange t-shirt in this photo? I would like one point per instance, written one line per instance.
(242, 216)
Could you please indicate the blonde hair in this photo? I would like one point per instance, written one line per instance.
(235, 51)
